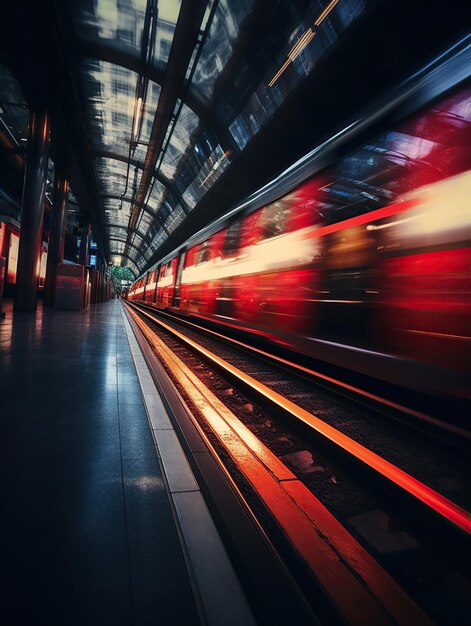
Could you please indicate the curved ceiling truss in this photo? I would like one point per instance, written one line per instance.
(131, 245)
(167, 183)
(133, 232)
(171, 75)
(145, 208)
(109, 154)
(174, 89)
(127, 56)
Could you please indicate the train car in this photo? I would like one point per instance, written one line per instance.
(362, 260)
(137, 290)
(166, 282)
(151, 284)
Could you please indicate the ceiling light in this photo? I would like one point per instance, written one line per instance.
(137, 119)
(325, 12)
(302, 42)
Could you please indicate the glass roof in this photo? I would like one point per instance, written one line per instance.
(219, 45)
(179, 140)
(135, 106)
(121, 21)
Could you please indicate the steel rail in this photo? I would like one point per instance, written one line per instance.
(361, 591)
(438, 503)
(302, 370)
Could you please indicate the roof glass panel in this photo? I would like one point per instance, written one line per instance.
(148, 115)
(308, 40)
(137, 256)
(175, 218)
(112, 176)
(210, 170)
(115, 215)
(219, 45)
(121, 22)
(160, 237)
(117, 247)
(110, 94)
(156, 195)
(179, 140)
(116, 231)
(138, 240)
(114, 20)
(168, 11)
(145, 221)
(110, 97)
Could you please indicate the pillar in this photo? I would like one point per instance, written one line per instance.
(32, 212)
(55, 253)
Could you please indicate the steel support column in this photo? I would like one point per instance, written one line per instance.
(55, 252)
(32, 212)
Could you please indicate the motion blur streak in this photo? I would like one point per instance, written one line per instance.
(365, 263)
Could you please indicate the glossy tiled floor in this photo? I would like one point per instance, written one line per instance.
(87, 534)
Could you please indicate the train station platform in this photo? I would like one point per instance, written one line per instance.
(102, 519)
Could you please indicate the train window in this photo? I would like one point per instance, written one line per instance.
(267, 222)
(190, 257)
(424, 149)
(274, 218)
(232, 239)
(203, 253)
(250, 230)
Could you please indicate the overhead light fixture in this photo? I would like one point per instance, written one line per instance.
(325, 12)
(301, 44)
(294, 53)
(137, 120)
(303, 41)
(215, 166)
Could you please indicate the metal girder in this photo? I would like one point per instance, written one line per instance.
(134, 231)
(109, 225)
(184, 41)
(155, 215)
(156, 174)
(109, 154)
(127, 56)
(116, 196)
(132, 245)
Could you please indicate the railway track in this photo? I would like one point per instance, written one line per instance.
(369, 530)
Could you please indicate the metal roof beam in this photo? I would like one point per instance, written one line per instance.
(132, 245)
(184, 41)
(134, 231)
(156, 174)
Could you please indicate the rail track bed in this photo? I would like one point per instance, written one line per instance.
(377, 507)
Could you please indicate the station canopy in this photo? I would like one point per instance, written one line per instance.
(174, 91)
(169, 95)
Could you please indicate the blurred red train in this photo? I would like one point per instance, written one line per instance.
(361, 260)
